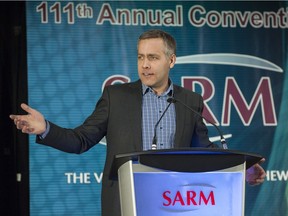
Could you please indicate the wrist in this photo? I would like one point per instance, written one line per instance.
(46, 131)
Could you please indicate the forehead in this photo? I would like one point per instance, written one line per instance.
(153, 45)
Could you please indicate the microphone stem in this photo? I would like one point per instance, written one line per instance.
(154, 141)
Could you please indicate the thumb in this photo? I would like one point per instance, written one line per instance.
(261, 161)
(26, 108)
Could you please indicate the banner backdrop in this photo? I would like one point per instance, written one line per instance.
(233, 53)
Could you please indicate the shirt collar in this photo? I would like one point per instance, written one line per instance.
(168, 92)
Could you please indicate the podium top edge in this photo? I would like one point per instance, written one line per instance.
(164, 154)
(188, 151)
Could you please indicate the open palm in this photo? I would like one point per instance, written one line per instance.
(32, 123)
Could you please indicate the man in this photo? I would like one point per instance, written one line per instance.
(126, 114)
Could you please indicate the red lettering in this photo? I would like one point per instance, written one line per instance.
(262, 95)
(256, 19)
(167, 198)
(193, 15)
(178, 198)
(203, 198)
(232, 95)
(242, 18)
(190, 198)
(106, 14)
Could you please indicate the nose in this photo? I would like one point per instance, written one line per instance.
(145, 63)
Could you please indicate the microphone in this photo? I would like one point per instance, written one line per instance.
(154, 141)
(222, 139)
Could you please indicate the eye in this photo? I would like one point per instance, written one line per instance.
(153, 58)
(140, 57)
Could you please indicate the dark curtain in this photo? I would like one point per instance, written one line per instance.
(14, 192)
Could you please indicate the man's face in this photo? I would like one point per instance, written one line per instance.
(153, 64)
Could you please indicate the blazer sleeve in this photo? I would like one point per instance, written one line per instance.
(83, 137)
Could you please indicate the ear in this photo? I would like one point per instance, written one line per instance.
(172, 60)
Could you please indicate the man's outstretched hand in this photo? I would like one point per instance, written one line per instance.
(31, 123)
(255, 175)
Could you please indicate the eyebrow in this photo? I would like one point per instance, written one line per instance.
(149, 55)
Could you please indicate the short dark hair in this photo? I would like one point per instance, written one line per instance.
(168, 40)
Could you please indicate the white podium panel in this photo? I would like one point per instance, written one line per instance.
(163, 193)
(186, 194)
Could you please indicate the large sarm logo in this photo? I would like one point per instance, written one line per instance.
(189, 198)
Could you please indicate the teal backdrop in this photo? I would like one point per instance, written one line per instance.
(233, 53)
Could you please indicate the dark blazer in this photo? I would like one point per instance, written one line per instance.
(118, 116)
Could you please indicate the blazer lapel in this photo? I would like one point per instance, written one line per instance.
(180, 116)
(136, 101)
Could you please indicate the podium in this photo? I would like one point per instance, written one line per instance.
(182, 182)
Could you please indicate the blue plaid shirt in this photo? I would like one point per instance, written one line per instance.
(152, 108)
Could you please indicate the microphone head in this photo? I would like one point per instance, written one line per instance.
(171, 100)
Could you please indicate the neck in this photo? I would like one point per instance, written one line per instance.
(161, 90)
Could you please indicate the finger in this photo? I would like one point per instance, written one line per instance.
(19, 126)
(259, 181)
(17, 122)
(256, 182)
(263, 174)
(26, 129)
(30, 130)
(21, 123)
(260, 169)
(261, 161)
(13, 117)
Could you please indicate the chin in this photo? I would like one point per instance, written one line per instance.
(147, 82)
(150, 84)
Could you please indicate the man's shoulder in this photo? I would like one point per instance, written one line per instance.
(181, 90)
(135, 84)
(124, 88)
